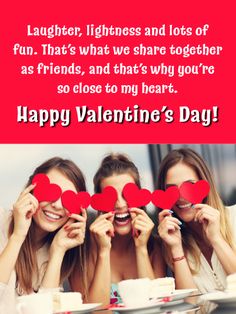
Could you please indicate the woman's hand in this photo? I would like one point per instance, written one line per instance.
(71, 234)
(142, 226)
(23, 210)
(102, 229)
(169, 229)
(209, 217)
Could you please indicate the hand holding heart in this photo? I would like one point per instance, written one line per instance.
(71, 234)
(169, 229)
(142, 226)
(209, 217)
(23, 210)
(102, 230)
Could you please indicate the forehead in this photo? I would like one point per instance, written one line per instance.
(117, 180)
(57, 177)
(179, 173)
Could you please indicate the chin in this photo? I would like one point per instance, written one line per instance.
(124, 230)
(186, 214)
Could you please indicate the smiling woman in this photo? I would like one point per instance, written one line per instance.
(120, 242)
(199, 240)
(40, 243)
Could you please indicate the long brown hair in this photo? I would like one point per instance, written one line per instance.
(116, 164)
(26, 264)
(195, 161)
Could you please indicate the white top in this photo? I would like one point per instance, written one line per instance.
(9, 292)
(209, 279)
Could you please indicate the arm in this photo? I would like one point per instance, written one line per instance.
(23, 210)
(225, 254)
(142, 227)
(99, 290)
(169, 231)
(209, 218)
(68, 237)
(182, 273)
(102, 230)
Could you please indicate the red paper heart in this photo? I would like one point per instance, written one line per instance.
(106, 200)
(73, 202)
(166, 199)
(44, 190)
(136, 197)
(194, 192)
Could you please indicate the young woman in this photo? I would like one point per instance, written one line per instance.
(199, 240)
(38, 241)
(120, 241)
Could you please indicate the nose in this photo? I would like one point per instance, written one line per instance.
(121, 202)
(57, 204)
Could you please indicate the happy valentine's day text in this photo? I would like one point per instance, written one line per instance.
(135, 114)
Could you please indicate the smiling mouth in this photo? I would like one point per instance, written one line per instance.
(122, 218)
(184, 206)
(52, 216)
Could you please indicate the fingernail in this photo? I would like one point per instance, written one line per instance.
(193, 206)
(180, 223)
(66, 227)
(171, 211)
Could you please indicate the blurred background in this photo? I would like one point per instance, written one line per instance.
(18, 161)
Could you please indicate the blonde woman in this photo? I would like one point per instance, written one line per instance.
(39, 240)
(198, 239)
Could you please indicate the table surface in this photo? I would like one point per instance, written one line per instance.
(190, 305)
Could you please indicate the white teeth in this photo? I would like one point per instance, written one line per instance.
(51, 215)
(185, 206)
(122, 215)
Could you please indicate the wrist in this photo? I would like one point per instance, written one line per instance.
(216, 240)
(177, 251)
(104, 252)
(141, 249)
(18, 238)
(57, 252)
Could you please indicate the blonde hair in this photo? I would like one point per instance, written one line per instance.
(26, 264)
(195, 161)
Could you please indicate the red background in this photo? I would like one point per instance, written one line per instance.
(40, 91)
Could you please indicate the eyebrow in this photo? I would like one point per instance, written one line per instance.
(191, 181)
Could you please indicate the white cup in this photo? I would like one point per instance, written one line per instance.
(134, 292)
(38, 303)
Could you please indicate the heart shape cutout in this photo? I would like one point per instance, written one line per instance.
(166, 199)
(194, 192)
(44, 190)
(73, 202)
(136, 197)
(106, 200)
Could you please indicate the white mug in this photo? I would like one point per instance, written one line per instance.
(38, 303)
